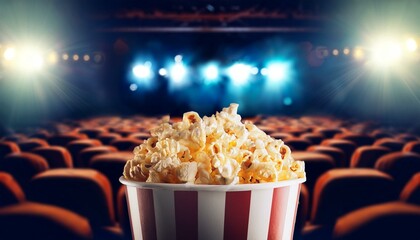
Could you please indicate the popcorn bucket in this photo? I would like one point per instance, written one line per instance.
(187, 211)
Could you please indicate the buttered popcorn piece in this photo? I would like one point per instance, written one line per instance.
(219, 149)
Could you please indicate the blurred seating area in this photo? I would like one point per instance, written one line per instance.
(60, 181)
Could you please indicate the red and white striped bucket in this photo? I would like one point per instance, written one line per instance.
(183, 211)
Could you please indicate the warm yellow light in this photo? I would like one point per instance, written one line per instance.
(358, 53)
(76, 57)
(65, 57)
(386, 52)
(30, 59)
(411, 44)
(9, 53)
(335, 52)
(346, 51)
(52, 57)
(86, 57)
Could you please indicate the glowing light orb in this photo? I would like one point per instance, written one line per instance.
(346, 51)
(142, 71)
(178, 73)
(86, 58)
(239, 73)
(30, 59)
(211, 72)
(411, 45)
(133, 87)
(335, 52)
(386, 53)
(9, 54)
(163, 72)
(277, 71)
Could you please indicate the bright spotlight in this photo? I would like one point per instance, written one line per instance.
(163, 72)
(9, 53)
(142, 71)
(178, 73)
(358, 53)
(239, 73)
(178, 58)
(277, 71)
(254, 71)
(386, 53)
(211, 73)
(411, 45)
(52, 58)
(30, 59)
(264, 71)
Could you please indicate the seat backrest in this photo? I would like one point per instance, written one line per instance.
(328, 132)
(107, 138)
(394, 145)
(122, 210)
(366, 156)
(413, 146)
(336, 154)
(28, 144)
(87, 154)
(346, 146)
(126, 144)
(64, 138)
(340, 191)
(76, 146)
(400, 165)
(357, 138)
(40, 221)
(297, 144)
(314, 138)
(92, 132)
(411, 191)
(56, 156)
(393, 220)
(10, 191)
(84, 191)
(7, 147)
(23, 166)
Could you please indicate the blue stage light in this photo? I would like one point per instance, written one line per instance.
(142, 71)
(178, 73)
(239, 73)
(210, 73)
(277, 71)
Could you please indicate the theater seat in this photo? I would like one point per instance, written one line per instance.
(23, 166)
(28, 144)
(10, 191)
(140, 136)
(122, 211)
(64, 138)
(411, 191)
(406, 137)
(87, 154)
(107, 138)
(76, 146)
(336, 154)
(314, 138)
(377, 134)
(7, 147)
(400, 165)
(297, 144)
(56, 156)
(315, 165)
(346, 146)
(393, 144)
(340, 191)
(413, 146)
(366, 156)
(39, 221)
(92, 132)
(302, 212)
(281, 135)
(84, 191)
(386, 221)
(126, 144)
(356, 138)
(328, 132)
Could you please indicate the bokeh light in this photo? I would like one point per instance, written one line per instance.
(9, 53)
(178, 73)
(411, 44)
(163, 72)
(277, 71)
(239, 73)
(386, 52)
(210, 73)
(142, 71)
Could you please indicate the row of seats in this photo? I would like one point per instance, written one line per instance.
(92, 153)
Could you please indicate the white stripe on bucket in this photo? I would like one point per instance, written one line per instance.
(259, 215)
(164, 205)
(134, 212)
(211, 215)
(290, 213)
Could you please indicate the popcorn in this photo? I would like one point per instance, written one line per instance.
(219, 149)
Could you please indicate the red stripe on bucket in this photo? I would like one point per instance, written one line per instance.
(186, 214)
(147, 213)
(278, 212)
(236, 215)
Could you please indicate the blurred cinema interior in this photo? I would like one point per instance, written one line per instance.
(83, 82)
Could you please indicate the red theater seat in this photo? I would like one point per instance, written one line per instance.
(39, 221)
(400, 165)
(393, 144)
(28, 144)
(413, 146)
(366, 156)
(15, 137)
(393, 220)
(76, 146)
(328, 132)
(314, 138)
(56, 156)
(65, 138)
(281, 135)
(7, 147)
(122, 211)
(406, 137)
(297, 144)
(336, 154)
(340, 191)
(346, 146)
(358, 139)
(302, 211)
(107, 138)
(377, 134)
(92, 132)
(140, 136)
(10, 191)
(126, 144)
(23, 166)
(315, 165)
(84, 191)
(411, 191)
(87, 154)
